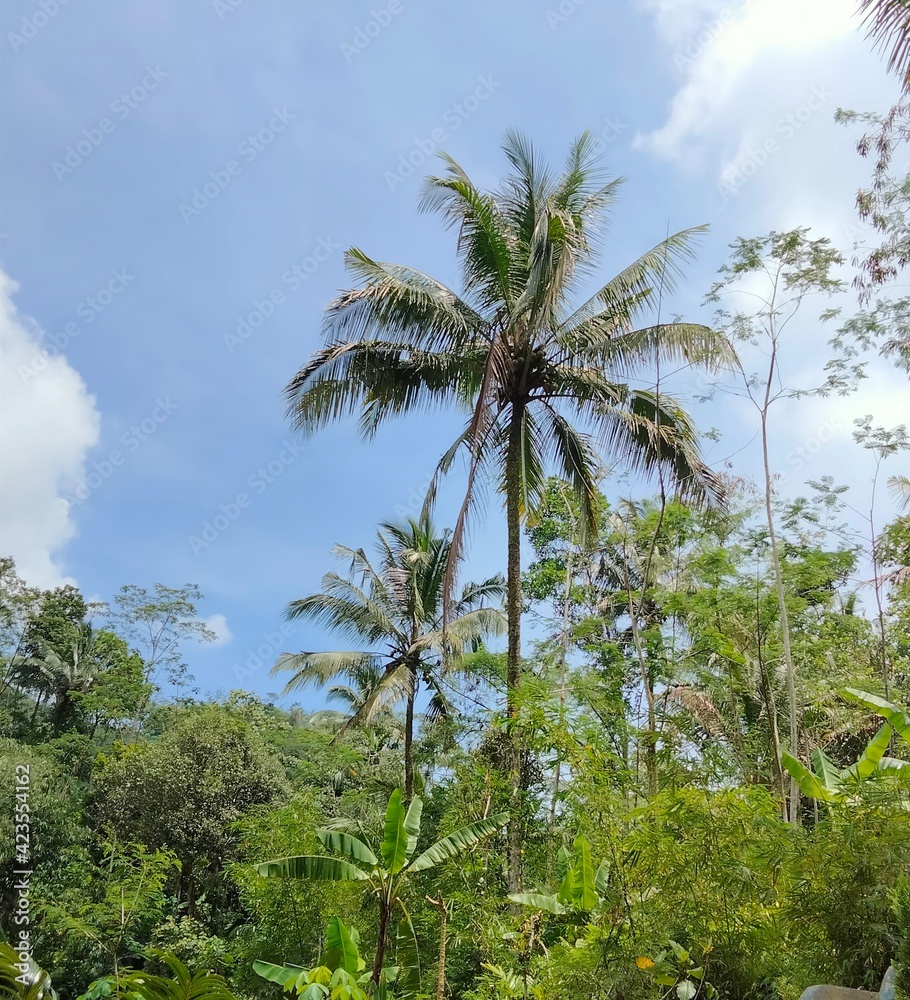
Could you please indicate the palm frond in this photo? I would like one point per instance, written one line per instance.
(888, 24)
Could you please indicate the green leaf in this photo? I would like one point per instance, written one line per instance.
(284, 975)
(602, 878)
(408, 954)
(566, 892)
(686, 990)
(896, 717)
(808, 783)
(412, 823)
(680, 953)
(395, 843)
(539, 901)
(458, 842)
(665, 980)
(348, 845)
(584, 891)
(873, 754)
(319, 869)
(826, 770)
(341, 952)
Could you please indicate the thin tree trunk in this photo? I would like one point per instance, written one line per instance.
(648, 685)
(440, 904)
(381, 940)
(38, 701)
(409, 738)
(562, 671)
(877, 585)
(767, 692)
(513, 657)
(781, 597)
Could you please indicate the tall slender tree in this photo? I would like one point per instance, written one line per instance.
(396, 605)
(514, 352)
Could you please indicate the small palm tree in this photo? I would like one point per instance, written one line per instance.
(396, 607)
(57, 677)
(185, 985)
(390, 868)
(524, 362)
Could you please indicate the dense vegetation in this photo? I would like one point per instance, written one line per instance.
(686, 781)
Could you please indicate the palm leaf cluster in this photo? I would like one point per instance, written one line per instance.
(393, 604)
(512, 349)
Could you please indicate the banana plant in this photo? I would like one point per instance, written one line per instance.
(581, 889)
(385, 872)
(826, 782)
(896, 717)
(339, 977)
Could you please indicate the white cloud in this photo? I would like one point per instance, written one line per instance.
(49, 423)
(734, 53)
(218, 624)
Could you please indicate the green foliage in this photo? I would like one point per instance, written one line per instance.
(674, 967)
(902, 955)
(339, 977)
(23, 979)
(185, 791)
(387, 878)
(126, 899)
(183, 984)
(828, 783)
(582, 887)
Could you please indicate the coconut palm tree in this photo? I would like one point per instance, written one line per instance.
(397, 608)
(524, 363)
(60, 677)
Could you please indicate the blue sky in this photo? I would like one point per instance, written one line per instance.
(167, 165)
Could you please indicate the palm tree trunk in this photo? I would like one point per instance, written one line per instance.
(59, 711)
(38, 701)
(409, 737)
(513, 657)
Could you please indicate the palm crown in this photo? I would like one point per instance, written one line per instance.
(396, 607)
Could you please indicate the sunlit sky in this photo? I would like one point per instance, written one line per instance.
(179, 182)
